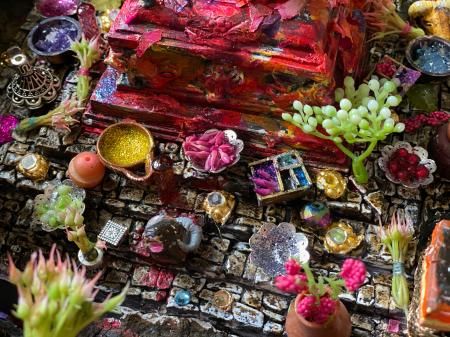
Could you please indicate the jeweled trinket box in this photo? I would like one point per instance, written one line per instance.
(287, 171)
(184, 67)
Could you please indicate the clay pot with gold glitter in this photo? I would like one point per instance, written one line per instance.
(124, 146)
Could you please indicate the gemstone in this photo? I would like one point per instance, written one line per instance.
(50, 8)
(55, 36)
(338, 235)
(434, 58)
(216, 199)
(182, 297)
(113, 233)
(316, 214)
(301, 176)
(287, 159)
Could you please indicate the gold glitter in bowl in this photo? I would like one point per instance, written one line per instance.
(125, 144)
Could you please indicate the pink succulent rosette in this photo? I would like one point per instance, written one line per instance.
(213, 151)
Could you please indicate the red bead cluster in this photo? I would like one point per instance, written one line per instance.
(386, 68)
(406, 167)
(435, 118)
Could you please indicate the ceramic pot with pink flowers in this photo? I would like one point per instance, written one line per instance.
(317, 310)
(339, 324)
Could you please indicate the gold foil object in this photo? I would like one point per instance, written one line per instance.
(332, 183)
(219, 206)
(341, 239)
(223, 300)
(434, 16)
(33, 166)
(125, 145)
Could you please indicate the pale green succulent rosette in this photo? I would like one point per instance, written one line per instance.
(363, 116)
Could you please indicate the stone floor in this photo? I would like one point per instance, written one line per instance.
(221, 262)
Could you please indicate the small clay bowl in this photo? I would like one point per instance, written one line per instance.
(124, 146)
(424, 42)
(64, 30)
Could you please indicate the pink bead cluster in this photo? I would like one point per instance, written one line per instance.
(315, 306)
(435, 118)
(211, 151)
(317, 311)
(354, 273)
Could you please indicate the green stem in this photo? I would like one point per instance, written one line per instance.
(345, 150)
(359, 170)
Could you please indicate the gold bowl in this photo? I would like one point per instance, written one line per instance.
(125, 145)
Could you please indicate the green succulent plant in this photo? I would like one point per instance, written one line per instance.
(55, 298)
(59, 208)
(362, 115)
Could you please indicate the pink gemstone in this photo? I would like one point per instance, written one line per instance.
(393, 326)
(165, 279)
(88, 20)
(50, 8)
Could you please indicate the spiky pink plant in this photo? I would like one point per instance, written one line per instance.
(55, 298)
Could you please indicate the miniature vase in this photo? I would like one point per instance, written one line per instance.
(440, 150)
(338, 326)
(86, 170)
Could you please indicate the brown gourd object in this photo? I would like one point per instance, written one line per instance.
(440, 150)
(338, 326)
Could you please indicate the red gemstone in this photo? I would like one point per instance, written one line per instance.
(413, 159)
(393, 167)
(401, 153)
(422, 172)
(402, 176)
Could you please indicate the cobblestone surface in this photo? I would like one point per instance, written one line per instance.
(221, 262)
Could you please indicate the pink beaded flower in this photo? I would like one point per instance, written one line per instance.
(293, 284)
(354, 273)
(292, 267)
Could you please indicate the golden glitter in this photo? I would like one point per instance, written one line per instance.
(125, 145)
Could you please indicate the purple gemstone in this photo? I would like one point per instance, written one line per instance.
(50, 8)
(55, 36)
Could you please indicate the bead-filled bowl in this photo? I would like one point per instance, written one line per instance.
(51, 38)
(430, 55)
(213, 151)
(407, 165)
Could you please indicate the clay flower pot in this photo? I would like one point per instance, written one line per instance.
(338, 326)
(86, 170)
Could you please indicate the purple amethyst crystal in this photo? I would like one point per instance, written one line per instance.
(54, 35)
(51, 8)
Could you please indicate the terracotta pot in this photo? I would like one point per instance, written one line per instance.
(86, 170)
(339, 325)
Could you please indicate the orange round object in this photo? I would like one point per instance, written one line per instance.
(86, 170)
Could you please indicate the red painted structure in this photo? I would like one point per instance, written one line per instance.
(183, 66)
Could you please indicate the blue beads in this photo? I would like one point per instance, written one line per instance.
(182, 298)
(301, 176)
